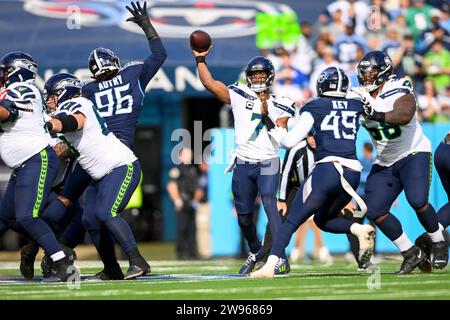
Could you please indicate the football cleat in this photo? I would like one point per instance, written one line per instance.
(252, 259)
(282, 266)
(46, 266)
(114, 273)
(424, 242)
(61, 270)
(366, 243)
(439, 255)
(47, 262)
(413, 257)
(268, 270)
(27, 256)
(135, 271)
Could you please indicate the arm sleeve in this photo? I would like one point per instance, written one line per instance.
(299, 132)
(153, 62)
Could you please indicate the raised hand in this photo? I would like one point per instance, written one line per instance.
(140, 17)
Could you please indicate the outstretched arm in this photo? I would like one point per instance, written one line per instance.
(159, 54)
(297, 134)
(217, 88)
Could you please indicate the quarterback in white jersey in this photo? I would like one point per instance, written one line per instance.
(255, 160)
(113, 166)
(253, 144)
(403, 160)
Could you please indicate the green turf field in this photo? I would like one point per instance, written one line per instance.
(176, 280)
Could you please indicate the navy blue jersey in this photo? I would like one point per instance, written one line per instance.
(119, 99)
(336, 122)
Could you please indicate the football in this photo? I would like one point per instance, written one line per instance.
(200, 40)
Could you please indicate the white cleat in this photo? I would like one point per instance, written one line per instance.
(366, 236)
(268, 270)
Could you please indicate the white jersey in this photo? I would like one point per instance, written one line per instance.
(253, 143)
(25, 137)
(98, 150)
(395, 142)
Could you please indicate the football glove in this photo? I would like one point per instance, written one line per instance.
(278, 133)
(11, 107)
(140, 17)
(367, 102)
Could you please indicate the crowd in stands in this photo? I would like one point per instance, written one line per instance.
(414, 33)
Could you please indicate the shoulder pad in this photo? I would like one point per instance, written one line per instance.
(132, 63)
(174, 173)
(21, 92)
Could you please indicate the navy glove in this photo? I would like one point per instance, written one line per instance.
(11, 107)
(140, 17)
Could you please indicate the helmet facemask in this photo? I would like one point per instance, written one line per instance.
(256, 82)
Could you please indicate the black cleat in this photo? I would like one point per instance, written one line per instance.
(439, 255)
(27, 256)
(135, 271)
(413, 257)
(110, 273)
(424, 242)
(61, 270)
(46, 266)
(252, 259)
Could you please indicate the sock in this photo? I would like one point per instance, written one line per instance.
(352, 239)
(391, 227)
(57, 256)
(121, 232)
(105, 247)
(283, 238)
(428, 219)
(273, 216)
(444, 215)
(403, 243)
(54, 212)
(42, 234)
(249, 230)
(437, 236)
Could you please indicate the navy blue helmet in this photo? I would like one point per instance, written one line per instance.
(103, 63)
(332, 82)
(17, 66)
(374, 69)
(260, 64)
(64, 85)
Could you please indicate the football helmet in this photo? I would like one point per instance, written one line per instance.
(332, 82)
(64, 85)
(103, 63)
(259, 64)
(374, 69)
(17, 66)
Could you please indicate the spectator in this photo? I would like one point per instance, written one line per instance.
(290, 73)
(418, 17)
(303, 54)
(392, 43)
(429, 107)
(346, 46)
(336, 27)
(352, 10)
(407, 62)
(435, 32)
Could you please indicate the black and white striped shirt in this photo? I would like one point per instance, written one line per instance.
(297, 165)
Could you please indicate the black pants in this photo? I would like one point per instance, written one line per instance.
(186, 245)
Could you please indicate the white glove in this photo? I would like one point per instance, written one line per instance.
(367, 101)
(278, 133)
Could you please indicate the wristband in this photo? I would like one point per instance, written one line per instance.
(200, 59)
